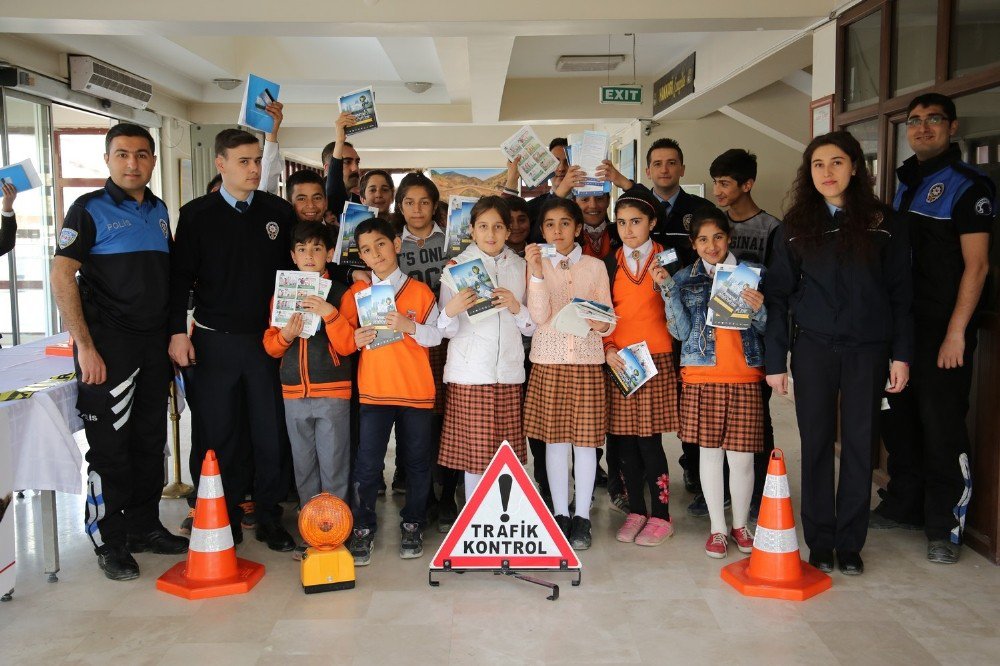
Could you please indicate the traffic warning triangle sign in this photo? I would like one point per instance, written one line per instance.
(505, 520)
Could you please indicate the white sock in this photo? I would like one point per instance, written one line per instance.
(712, 485)
(557, 469)
(585, 471)
(471, 481)
(740, 485)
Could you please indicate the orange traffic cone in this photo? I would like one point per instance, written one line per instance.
(774, 569)
(212, 568)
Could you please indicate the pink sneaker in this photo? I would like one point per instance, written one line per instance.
(655, 532)
(717, 545)
(633, 523)
(743, 539)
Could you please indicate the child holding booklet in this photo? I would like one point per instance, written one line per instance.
(565, 402)
(721, 371)
(485, 367)
(637, 422)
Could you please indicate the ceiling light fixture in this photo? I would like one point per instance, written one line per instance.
(589, 63)
(227, 84)
(418, 86)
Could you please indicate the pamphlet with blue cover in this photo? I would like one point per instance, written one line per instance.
(22, 175)
(472, 275)
(360, 104)
(346, 252)
(458, 230)
(726, 308)
(639, 368)
(374, 304)
(257, 94)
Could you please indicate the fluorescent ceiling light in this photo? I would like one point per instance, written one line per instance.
(589, 63)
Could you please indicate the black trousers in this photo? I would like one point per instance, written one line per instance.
(234, 370)
(825, 375)
(925, 434)
(126, 425)
(644, 465)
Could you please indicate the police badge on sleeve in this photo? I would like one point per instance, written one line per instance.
(66, 238)
(272, 230)
(983, 207)
(165, 228)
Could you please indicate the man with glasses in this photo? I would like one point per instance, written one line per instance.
(950, 208)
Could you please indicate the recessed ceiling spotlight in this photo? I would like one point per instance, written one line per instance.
(227, 84)
(418, 86)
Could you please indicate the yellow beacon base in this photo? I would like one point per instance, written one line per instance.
(327, 570)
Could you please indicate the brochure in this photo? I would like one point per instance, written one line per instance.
(22, 175)
(458, 230)
(726, 308)
(360, 104)
(639, 368)
(573, 317)
(472, 274)
(290, 289)
(594, 310)
(537, 161)
(257, 94)
(346, 252)
(374, 303)
(587, 150)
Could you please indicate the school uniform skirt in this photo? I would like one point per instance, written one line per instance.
(566, 403)
(476, 419)
(652, 410)
(439, 354)
(726, 415)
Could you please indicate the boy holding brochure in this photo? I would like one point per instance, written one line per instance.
(485, 366)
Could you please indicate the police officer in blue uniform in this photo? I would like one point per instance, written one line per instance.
(950, 207)
(118, 238)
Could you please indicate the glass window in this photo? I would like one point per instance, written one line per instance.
(861, 62)
(914, 39)
(866, 132)
(975, 36)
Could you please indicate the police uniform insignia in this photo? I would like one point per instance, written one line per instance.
(272, 230)
(165, 228)
(66, 238)
(686, 221)
(935, 192)
(983, 207)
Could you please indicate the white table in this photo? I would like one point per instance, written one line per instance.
(38, 437)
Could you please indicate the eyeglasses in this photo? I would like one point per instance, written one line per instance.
(933, 120)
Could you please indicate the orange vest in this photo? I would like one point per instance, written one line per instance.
(639, 306)
(730, 363)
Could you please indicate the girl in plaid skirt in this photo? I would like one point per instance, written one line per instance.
(485, 367)
(721, 370)
(565, 406)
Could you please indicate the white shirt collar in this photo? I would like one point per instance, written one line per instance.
(643, 249)
(396, 279)
(407, 236)
(710, 269)
(595, 231)
(573, 256)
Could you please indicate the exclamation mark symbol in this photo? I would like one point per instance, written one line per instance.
(505, 482)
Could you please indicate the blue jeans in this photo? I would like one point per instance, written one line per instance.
(413, 438)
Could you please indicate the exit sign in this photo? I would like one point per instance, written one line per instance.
(621, 95)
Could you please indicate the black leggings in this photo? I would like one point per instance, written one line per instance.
(644, 464)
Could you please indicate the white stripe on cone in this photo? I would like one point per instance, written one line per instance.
(211, 541)
(776, 487)
(210, 487)
(767, 540)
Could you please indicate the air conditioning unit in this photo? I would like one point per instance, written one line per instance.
(106, 81)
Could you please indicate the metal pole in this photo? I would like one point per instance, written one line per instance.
(177, 489)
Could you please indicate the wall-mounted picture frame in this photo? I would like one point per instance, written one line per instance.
(821, 116)
(697, 189)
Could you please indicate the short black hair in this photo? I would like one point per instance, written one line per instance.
(519, 205)
(128, 129)
(735, 163)
(214, 184)
(303, 232)
(558, 141)
(374, 225)
(327, 153)
(707, 214)
(931, 99)
(232, 138)
(660, 144)
(301, 177)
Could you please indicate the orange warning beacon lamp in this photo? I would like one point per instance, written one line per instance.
(325, 523)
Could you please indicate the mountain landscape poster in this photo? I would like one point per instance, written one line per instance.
(468, 182)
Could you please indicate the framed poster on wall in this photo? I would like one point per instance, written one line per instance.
(821, 116)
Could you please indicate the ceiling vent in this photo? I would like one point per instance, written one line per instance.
(108, 82)
(589, 63)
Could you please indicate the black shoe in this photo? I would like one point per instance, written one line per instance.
(850, 563)
(698, 508)
(159, 540)
(237, 534)
(275, 536)
(822, 559)
(601, 480)
(691, 483)
(447, 513)
(398, 482)
(117, 563)
(361, 544)
(565, 524)
(880, 520)
(412, 541)
(754, 510)
(579, 534)
(942, 551)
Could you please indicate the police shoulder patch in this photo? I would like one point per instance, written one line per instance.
(984, 207)
(933, 194)
(66, 238)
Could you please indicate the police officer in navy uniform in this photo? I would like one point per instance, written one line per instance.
(118, 238)
(950, 209)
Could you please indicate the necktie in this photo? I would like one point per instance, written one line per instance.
(242, 206)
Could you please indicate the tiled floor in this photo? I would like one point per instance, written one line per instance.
(648, 605)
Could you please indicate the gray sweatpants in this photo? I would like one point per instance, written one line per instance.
(320, 432)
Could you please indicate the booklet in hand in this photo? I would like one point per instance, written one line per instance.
(257, 94)
(726, 307)
(374, 304)
(22, 175)
(572, 318)
(361, 105)
(290, 289)
(587, 150)
(346, 252)
(594, 310)
(537, 161)
(473, 275)
(639, 368)
(458, 230)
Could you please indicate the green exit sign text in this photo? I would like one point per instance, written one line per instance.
(621, 95)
